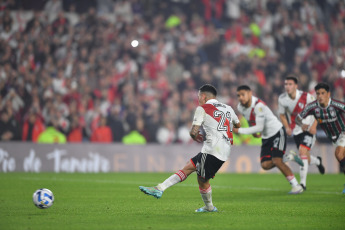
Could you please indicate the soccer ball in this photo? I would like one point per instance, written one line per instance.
(43, 198)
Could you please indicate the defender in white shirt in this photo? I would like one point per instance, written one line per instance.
(291, 103)
(262, 120)
(217, 120)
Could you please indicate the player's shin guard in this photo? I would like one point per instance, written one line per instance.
(179, 176)
(304, 170)
(206, 195)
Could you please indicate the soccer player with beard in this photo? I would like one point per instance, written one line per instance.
(217, 120)
(291, 103)
(262, 120)
(330, 115)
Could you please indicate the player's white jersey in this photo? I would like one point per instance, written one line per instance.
(292, 107)
(260, 118)
(217, 119)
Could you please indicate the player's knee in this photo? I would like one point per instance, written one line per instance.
(266, 165)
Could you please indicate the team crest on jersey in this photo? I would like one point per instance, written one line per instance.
(301, 105)
(317, 112)
(332, 112)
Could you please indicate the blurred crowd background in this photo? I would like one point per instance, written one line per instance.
(67, 67)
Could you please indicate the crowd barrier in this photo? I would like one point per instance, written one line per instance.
(99, 158)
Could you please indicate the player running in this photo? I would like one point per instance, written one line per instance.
(330, 114)
(217, 119)
(262, 120)
(291, 103)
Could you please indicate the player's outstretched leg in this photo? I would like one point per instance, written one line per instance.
(153, 191)
(293, 156)
(158, 190)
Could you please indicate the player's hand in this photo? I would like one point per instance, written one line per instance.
(257, 135)
(235, 130)
(288, 131)
(199, 138)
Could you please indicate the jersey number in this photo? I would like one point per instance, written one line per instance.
(221, 123)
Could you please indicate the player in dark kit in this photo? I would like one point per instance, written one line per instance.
(330, 115)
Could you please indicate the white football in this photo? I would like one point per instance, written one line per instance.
(43, 198)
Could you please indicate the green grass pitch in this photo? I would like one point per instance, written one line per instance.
(113, 201)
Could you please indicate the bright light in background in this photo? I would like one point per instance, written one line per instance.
(342, 73)
(134, 43)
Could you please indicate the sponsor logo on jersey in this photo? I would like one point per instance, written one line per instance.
(317, 112)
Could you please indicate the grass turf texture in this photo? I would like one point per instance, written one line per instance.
(113, 201)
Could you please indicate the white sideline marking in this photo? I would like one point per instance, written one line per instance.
(184, 185)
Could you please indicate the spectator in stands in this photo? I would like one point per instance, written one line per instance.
(33, 126)
(102, 133)
(9, 128)
(52, 134)
(134, 137)
(76, 131)
(116, 123)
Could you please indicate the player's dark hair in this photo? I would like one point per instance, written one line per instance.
(293, 78)
(243, 87)
(322, 85)
(209, 89)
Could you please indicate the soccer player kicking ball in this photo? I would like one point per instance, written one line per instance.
(330, 114)
(262, 120)
(217, 119)
(291, 103)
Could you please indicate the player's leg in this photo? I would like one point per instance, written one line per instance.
(177, 177)
(303, 171)
(340, 155)
(265, 155)
(278, 148)
(207, 167)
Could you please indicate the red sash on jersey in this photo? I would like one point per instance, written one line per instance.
(209, 109)
(298, 108)
(252, 121)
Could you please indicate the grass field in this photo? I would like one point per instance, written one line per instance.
(113, 201)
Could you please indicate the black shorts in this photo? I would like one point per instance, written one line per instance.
(274, 146)
(304, 139)
(206, 165)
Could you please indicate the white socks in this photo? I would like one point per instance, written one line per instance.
(292, 180)
(303, 171)
(172, 180)
(206, 195)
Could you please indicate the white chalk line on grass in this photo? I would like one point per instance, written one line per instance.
(184, 185)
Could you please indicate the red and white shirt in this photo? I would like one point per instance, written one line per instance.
(260, 118)
(217, 119)
(292, 107)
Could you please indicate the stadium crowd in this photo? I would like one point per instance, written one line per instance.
(69, 66)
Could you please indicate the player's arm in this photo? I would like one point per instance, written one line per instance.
(282, 116)
(285, 123)
(260, 120)
(305, 112)
(312, 128)
(195, 134)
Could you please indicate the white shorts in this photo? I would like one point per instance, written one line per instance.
(341, 140)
